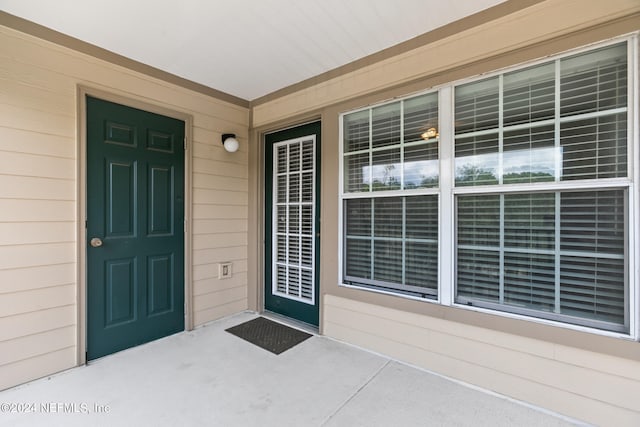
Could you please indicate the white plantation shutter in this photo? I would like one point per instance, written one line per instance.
(555, 254)
(294, 195)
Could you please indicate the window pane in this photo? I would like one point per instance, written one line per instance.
(356, 174)
(529, 155)
(308, 155)
(584, 279)
(477, 106)
(358, 258)
(294, 157)
(405, 243)
(294, 250)
(529, 280)
(307, 220)
(386, 125)
(478, 274)
(421, 218)
(294, 219)
(356, 131)
(281, 220)
(593, 221)
(307, 187)
(281, 167)
(529, 95)
(294, 188)
(593, 288)
(594, 81)
(479, 220)
(529, 221)
(594, 148)
(477, 160)
(387, 261)
(420, 114)
(388, 217)
(281, 190)
(421, 167)
(358, 217)
(386, 170)
(422, 264)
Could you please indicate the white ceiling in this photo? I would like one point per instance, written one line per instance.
(247, 48)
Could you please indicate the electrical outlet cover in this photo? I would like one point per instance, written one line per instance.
(224, 270)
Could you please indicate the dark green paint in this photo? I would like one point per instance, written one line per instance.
(294, 309)
(135, 204)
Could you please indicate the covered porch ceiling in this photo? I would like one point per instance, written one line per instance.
(245, 48)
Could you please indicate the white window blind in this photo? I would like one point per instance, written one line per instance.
(392, 242)
(385, 148)
(536, 172)
(554, 254)
(509, 252)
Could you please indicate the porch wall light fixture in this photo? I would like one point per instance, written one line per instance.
(230, 142)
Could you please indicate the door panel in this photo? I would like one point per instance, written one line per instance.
(135, 205)
(119, 302)
(161, 286)
(160, 193)
(121, 198)
(292, 224)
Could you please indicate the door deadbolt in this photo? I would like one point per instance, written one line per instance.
(96, 242)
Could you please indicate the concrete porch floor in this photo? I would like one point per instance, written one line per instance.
(210, 377)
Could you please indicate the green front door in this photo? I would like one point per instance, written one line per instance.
(292, 160)
(135, 227)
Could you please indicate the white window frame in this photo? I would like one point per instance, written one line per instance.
(344, 195)
(448, 192)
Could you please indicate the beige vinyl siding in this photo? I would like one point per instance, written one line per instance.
(582, 384)
(543, 21)
(38, 198)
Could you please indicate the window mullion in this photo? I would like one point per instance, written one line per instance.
(446, 231)
(288, 189)
(500, 129)
(402, 150)
(558, 173)
(373, 240)
(556, 126)
(371, 154)
(632, 233)
(404, 240)
(557, 252)
(501, 275)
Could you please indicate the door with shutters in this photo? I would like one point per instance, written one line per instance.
(292, 222)
(135, 227)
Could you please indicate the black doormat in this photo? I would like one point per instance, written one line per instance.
(272, 336)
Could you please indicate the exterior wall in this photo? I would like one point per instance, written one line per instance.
(585, 375)
(503, 29)
(39, 166)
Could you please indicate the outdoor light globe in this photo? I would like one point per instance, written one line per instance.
(231, 144)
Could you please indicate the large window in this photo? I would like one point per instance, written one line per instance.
(521, 247)
(537, 180)
(390, 201)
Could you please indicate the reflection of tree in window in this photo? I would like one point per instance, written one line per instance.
(474, 175)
